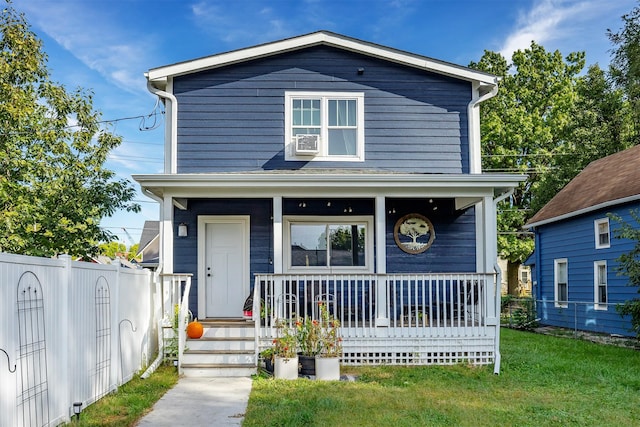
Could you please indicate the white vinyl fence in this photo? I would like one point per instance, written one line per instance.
(69, 332)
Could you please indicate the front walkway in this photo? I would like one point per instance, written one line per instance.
(196, 402)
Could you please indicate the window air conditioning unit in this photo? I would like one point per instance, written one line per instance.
(307, 145)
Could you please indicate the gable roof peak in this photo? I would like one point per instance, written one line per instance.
(158, 76)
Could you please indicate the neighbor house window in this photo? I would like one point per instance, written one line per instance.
(602, 233)
(324, 126)
(329, 244)
(600, 284)
(561, 282)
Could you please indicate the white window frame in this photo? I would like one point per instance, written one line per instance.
(367, 221)
(556, 299)
(599, 305)
(596, 226)
(323, 155)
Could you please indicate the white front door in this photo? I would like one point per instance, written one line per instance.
(225, 266)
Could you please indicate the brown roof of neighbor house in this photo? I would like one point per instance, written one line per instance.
(602, 182)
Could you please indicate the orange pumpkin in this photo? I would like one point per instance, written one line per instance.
(195, 329)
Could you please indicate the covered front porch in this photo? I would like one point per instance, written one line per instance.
(421, 319)
(293, 240)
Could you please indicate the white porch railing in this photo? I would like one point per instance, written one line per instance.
(388, 318)
(175, 291)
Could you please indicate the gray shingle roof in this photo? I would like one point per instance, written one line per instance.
(604, 181)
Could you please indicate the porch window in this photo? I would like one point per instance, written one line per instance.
(602, 233)
(600, 284)
(329, 244)
(561, 283)
(333, 120)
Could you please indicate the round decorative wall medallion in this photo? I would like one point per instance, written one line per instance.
(414, 233)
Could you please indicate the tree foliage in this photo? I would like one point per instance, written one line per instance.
(112, 249)
(600, 126)
(625, 63)
(629, 265)
(522, 128)
(54, 189)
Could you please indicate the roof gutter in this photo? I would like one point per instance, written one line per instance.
(582, 211)
(170, 131)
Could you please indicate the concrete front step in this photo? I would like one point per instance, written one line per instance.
(228, 329)
(219, 344)
(226, 349)
(208, 370)
(219, 357)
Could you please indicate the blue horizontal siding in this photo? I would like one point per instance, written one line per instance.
(185, 255)
(241, 108)
(452, 251)
(574, 239)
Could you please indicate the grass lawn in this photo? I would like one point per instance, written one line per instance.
(130, 402)
(544, 381)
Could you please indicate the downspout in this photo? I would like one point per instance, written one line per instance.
(474, 128)
(170, 163)
(154, 365)
(498, 270)
(156, 278)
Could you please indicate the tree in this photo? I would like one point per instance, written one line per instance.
(54, 189)
(600, 126)
(625, 63)
(629, 265)
(113, 249)
(523, 127)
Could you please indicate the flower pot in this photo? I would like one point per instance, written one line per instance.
(286, 368)
(307, 364)
(268, 365)
(328, 368)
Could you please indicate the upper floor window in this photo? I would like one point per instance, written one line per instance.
(324, 126)
(602, 233)
(600, 284)
(329, 244)
(561, 277)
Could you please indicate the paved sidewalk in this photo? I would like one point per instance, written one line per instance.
(197, 402)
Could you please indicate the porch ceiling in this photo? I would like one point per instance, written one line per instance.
(309, 184)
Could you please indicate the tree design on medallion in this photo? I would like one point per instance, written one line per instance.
(414, 233)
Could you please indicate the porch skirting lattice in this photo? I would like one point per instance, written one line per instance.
(418, 319)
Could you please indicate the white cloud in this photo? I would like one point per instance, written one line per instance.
(246, 23)
(94, 38)
(567, 25)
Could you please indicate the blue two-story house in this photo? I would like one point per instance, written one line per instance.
(325, 168)
(574, 263)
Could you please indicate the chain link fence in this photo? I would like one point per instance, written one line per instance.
(571, 318)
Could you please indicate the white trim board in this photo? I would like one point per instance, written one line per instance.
(203, 220)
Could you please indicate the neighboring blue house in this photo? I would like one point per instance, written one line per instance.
(574, 263)
(322, 167)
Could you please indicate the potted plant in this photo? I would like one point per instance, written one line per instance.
(284, 351)
(308, 338)
(267, 355)
(330, 348)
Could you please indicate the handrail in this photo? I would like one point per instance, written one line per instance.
(182, 324)
(255, 316)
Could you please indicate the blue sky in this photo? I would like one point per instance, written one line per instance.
(107, 45)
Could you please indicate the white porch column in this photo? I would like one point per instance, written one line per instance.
(382, 317)
(278, 256)
(277, 235)
(490, 257)
(166, 235)
(492, 295)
